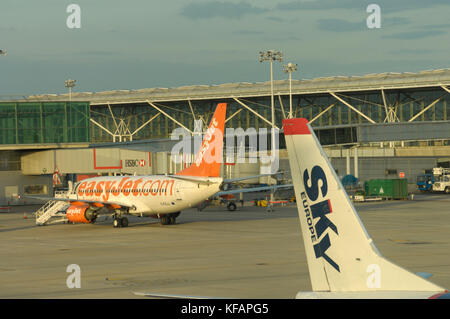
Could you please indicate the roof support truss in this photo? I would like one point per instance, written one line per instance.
(391, 115)
(169, 117)
(192, 109)
(143, 125)
(282, 106)
(322, 113)
(233, 115)
(112, 115)
(424, 110)
(352, 108)
(254, 112)
(102, 127)
(121, 130)
(445, 88)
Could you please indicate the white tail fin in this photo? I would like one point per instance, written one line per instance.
(341, 256)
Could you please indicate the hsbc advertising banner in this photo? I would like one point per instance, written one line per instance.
(136, 161)
(88, 161)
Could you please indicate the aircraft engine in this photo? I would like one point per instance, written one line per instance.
(81, 214)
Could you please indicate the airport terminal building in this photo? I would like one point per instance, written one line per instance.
(372, 126)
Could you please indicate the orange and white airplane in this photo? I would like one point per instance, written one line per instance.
(158, 196)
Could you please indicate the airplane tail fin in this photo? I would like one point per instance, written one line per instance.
(341, 256)
(208, 159)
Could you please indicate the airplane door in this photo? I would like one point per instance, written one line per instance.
(178, 192)
(183, 190)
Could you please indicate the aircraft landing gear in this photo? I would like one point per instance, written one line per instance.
(165, 220)
(169, 219)
(231, 206)
(120, 222)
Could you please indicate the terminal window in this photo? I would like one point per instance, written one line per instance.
(391, 172)
(35, 189)
(44, 122)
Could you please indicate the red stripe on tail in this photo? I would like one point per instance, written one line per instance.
(296, 126)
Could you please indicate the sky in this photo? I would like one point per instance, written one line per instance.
(138, 44)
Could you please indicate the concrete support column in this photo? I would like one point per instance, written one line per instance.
(355, 157)
(348, 160)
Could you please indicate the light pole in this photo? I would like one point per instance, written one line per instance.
(70, 84)
(289, 68)
(271, 55)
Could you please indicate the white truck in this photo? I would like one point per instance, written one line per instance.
(441, 180)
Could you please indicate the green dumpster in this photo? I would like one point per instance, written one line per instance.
(387, 188)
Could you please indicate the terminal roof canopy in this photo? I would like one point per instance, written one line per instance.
(431, 78)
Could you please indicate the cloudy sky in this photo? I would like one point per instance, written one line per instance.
(154, 43)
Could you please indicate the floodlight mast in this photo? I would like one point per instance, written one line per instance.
(271, 55)
(289, 68)
(70, 84)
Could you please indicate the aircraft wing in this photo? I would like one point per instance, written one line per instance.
(238, 179)
(167, 296)
(253, 189)
(193, 179)
(89, 201)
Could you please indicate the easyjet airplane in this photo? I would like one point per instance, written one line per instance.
(158, 196)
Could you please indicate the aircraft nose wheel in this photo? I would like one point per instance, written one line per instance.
(231, 207)
(120, 222)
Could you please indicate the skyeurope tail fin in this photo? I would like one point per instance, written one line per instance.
(341, 256)
(208, 159)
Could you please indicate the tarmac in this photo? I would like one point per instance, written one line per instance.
(248, 253)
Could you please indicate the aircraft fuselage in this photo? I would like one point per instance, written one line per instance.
(152, 194)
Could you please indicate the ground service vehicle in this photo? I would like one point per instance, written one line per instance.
(441, 180)
(425, 182)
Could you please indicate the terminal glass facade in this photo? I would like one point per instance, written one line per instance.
(334, 119)
(44, 122)
(334, 126)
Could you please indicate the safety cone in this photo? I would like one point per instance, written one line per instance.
(25, 216)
